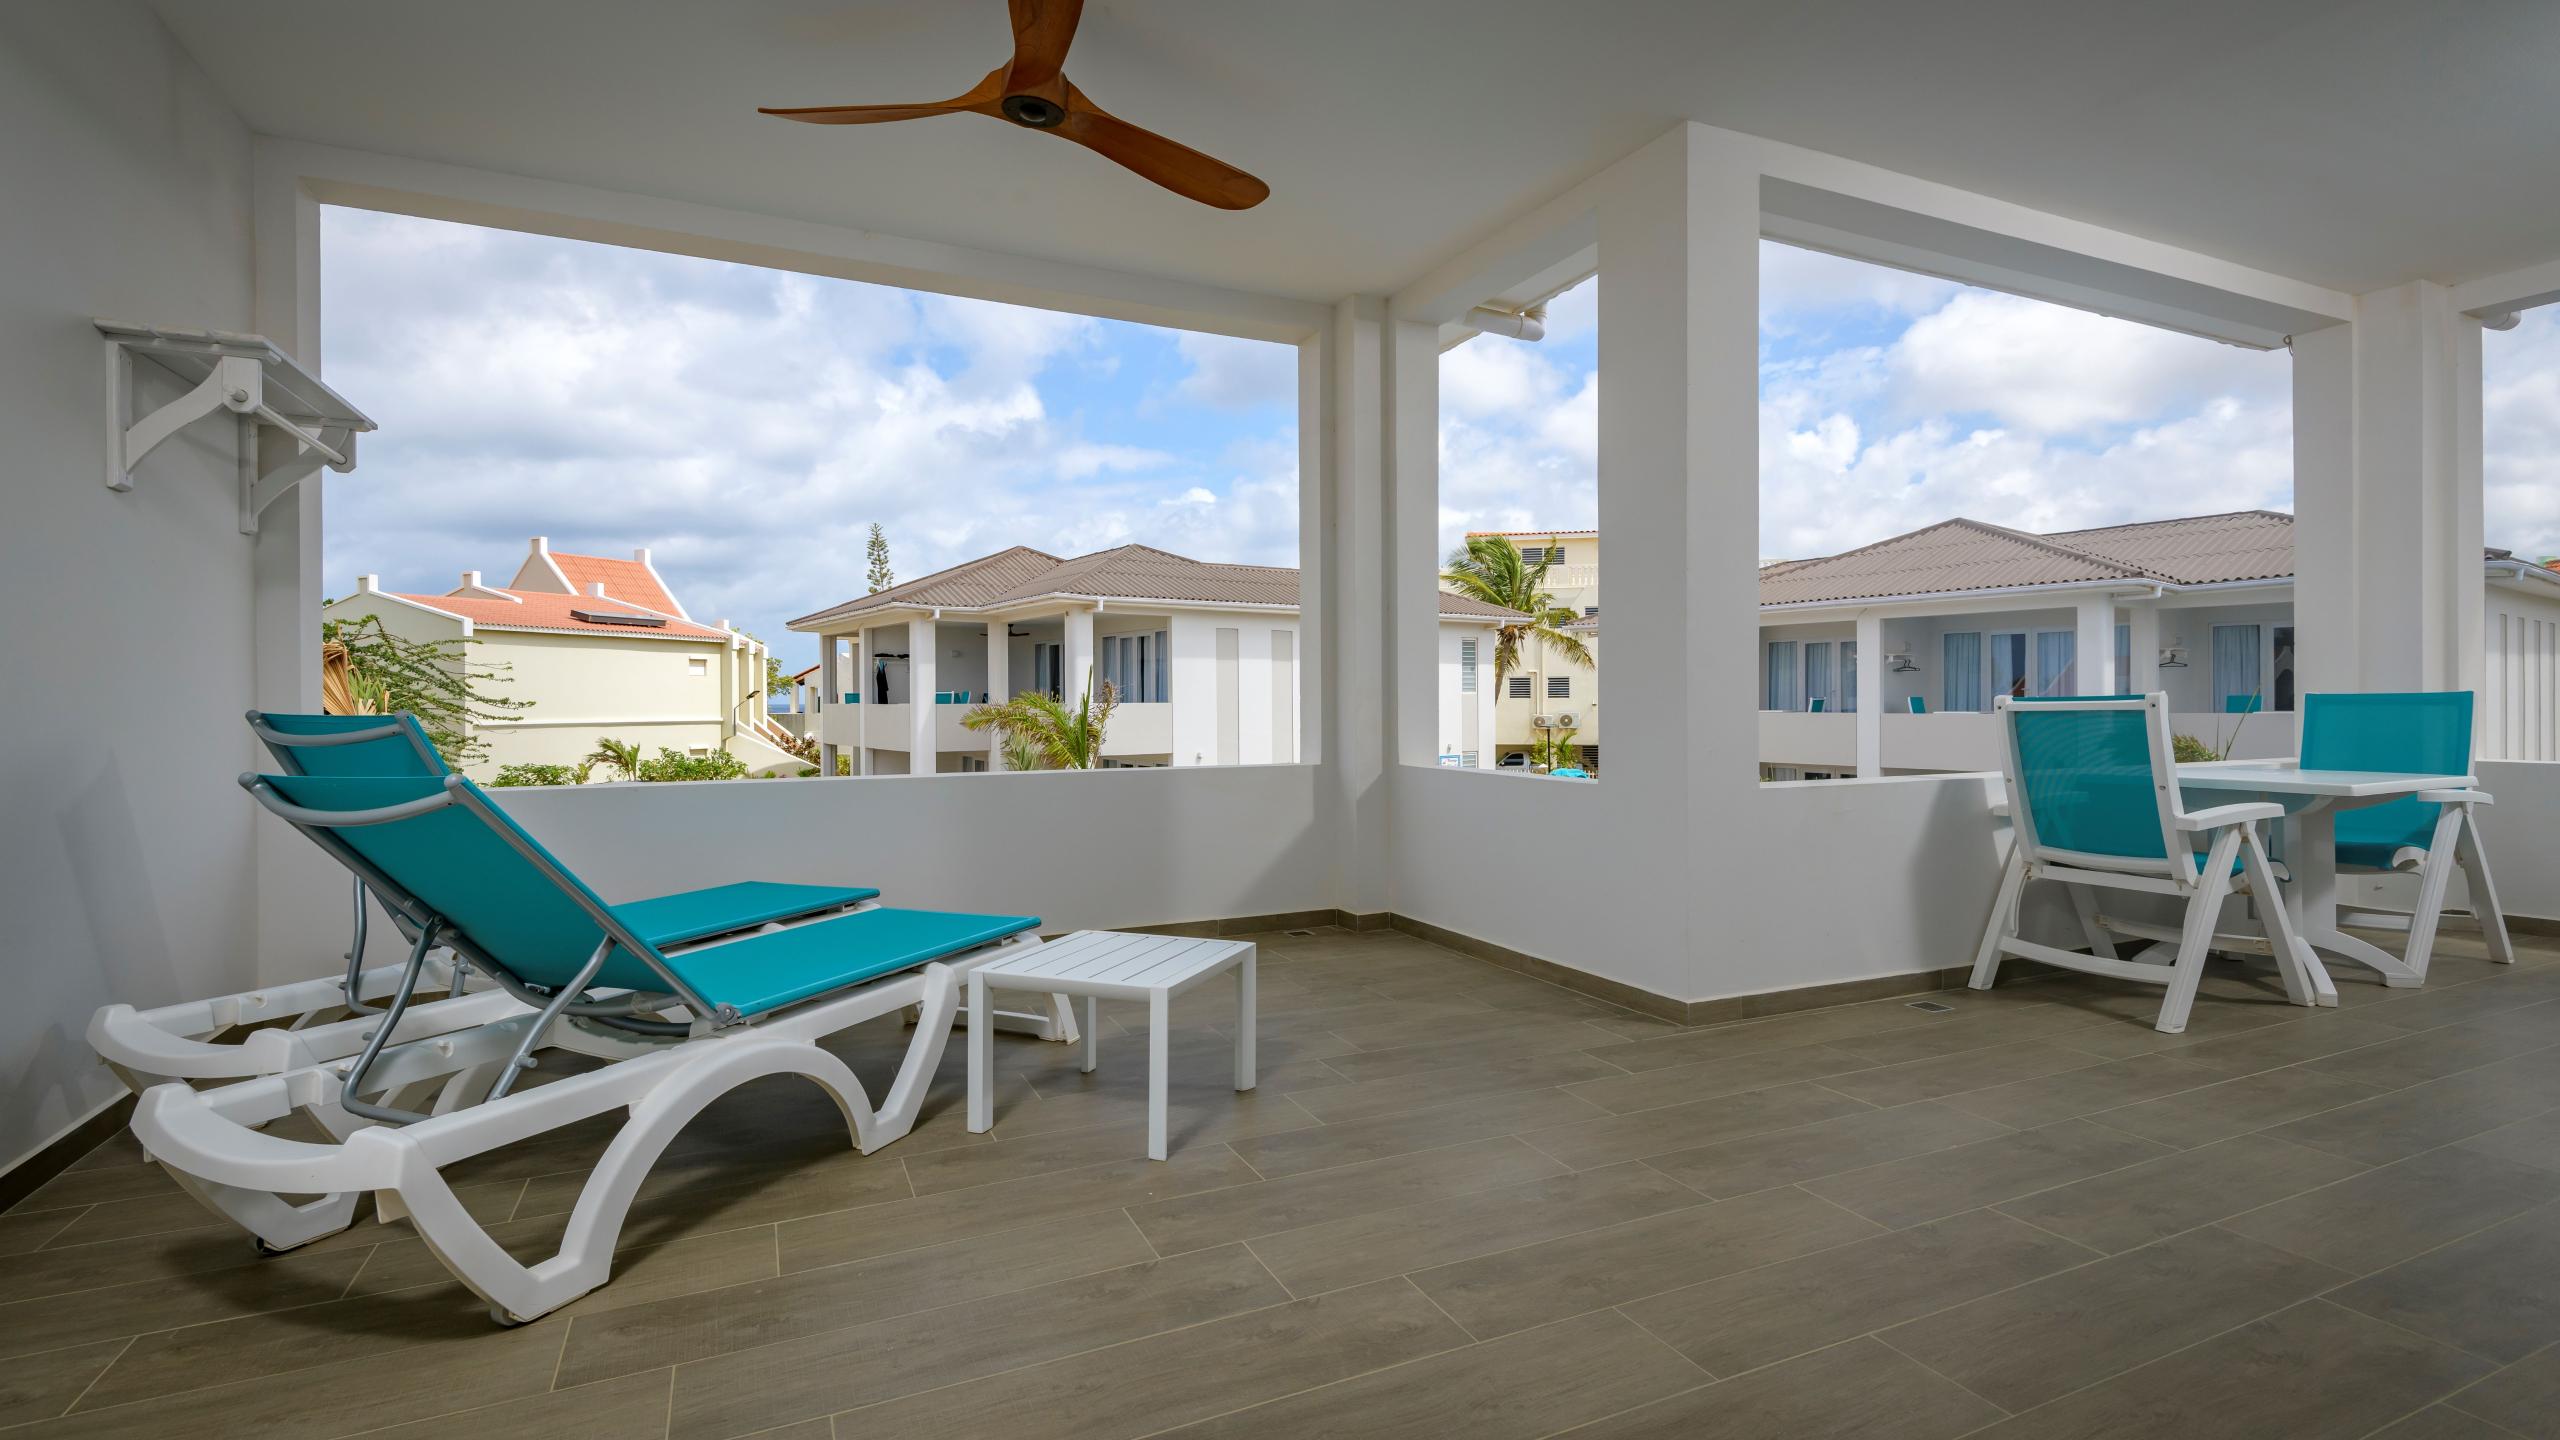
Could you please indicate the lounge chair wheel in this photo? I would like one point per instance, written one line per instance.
(505, 1320)
(271, 1251)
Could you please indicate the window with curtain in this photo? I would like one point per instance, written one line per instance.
(1779, 691)
(2056, 672)
(2235, 663)
(1962, 688)
(1817, 672)
(2124, 660)
(1849, 675)
(1162, 686)
(2010, 673)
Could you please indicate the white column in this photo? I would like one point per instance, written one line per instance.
(1075, 668)
(2387, 494)
(1488, 691)
(1870, 695)
(2144, 623)
(2093, 666)
(823, 716)
(921, 756)
(858, 680)
(999, 683)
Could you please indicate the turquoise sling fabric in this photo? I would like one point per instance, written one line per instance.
(404, 754)
(503, 904)
(2418, 732)
(700, 914)
(2087, 781)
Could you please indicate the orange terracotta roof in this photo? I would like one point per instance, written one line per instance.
(625, 580)
(541, 610)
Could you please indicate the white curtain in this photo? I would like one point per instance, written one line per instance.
(1964, 671)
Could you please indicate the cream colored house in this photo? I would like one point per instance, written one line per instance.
(1205, 658)
(603, 649)
(1547, 692)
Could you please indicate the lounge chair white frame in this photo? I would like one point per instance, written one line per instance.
(210, 1142)
(2176, 959)
(2454, 845)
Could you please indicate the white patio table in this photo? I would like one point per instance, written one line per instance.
(2311, 800)
(1109, 965)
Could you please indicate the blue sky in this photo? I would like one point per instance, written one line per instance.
(749, 425)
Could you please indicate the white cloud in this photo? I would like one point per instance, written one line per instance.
(1794, 282)
(2053, 370)
(1233, 374)
(748, 425)
(2520, 385)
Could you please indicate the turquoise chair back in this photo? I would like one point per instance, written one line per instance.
(348, 744)
(1814, 706)
(2239, 704)
(475, 868)
(1919, 706)
(2415, 732)
(2086, 779)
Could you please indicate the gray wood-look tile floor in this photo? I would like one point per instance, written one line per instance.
(1461, 1203)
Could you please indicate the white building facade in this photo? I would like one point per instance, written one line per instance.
(1204, 661)
(1940, 622)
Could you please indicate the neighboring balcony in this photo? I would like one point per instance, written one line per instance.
(1970, 741)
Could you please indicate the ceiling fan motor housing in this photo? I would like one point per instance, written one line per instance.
(1033, 111)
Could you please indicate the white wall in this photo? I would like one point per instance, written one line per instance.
(2520, 705)
(124, 192)
(1151, 846)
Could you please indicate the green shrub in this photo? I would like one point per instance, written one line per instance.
(673, 764)
(2188, 750)
(540, 775)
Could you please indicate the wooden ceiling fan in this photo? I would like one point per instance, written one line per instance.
(1032, 91)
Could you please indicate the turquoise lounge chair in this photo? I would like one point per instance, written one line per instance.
(2430, 833)
(2094, 797)
(690, 1020)
(1918, 705)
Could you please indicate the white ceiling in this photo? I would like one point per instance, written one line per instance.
(2354, 145)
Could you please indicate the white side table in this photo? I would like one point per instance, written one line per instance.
(1110, 965)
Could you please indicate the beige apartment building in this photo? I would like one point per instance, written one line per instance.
(1548, 693)
(603, 649)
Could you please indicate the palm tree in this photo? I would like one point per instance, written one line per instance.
(1489, 568)
(1555, 749)
(1037, 726)
(620, 756)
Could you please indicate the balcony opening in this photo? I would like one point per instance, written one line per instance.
(948, 505)
(2001, 496)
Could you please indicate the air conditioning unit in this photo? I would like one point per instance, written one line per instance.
(1542, 722)
(1567, 721)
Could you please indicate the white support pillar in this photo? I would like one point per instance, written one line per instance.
(1075, 656)
(829, 675)
(2093, 663)
(1870, 695)
(857, 678)
(2143, 620)
(922, 757)
(1488, 691)
(2387, 494)
(999, 683)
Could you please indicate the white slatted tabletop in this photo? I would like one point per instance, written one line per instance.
(1110, 965)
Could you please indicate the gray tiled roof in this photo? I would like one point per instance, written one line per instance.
(1127, 572)
(1957, 556)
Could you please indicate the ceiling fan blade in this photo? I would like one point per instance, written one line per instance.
(980, 99)
(1042, 31)
(1176, 167)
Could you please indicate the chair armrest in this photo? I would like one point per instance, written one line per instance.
(2221, 815)
(2456, 797)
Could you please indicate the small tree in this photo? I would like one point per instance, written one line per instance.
(1554, 750)
(536, 773)
(622, 757)
(1490, 568)
(434, 680)
(880, 577)
(674, 764)
(1038, 727)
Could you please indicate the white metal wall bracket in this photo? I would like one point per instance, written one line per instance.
(287, 423)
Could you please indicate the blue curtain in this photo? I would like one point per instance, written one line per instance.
(2055, 650)
(1964, 671)
(2235, 663)
(1780, 692)
(1817, 672)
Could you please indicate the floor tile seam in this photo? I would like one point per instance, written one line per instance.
(2098, 1117)
(2325, 1297)
(1569, 1085)
(121, 1352)
(1469, 1188)
(2367, 1172)
(1878, 1337)
(2314, 1064)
